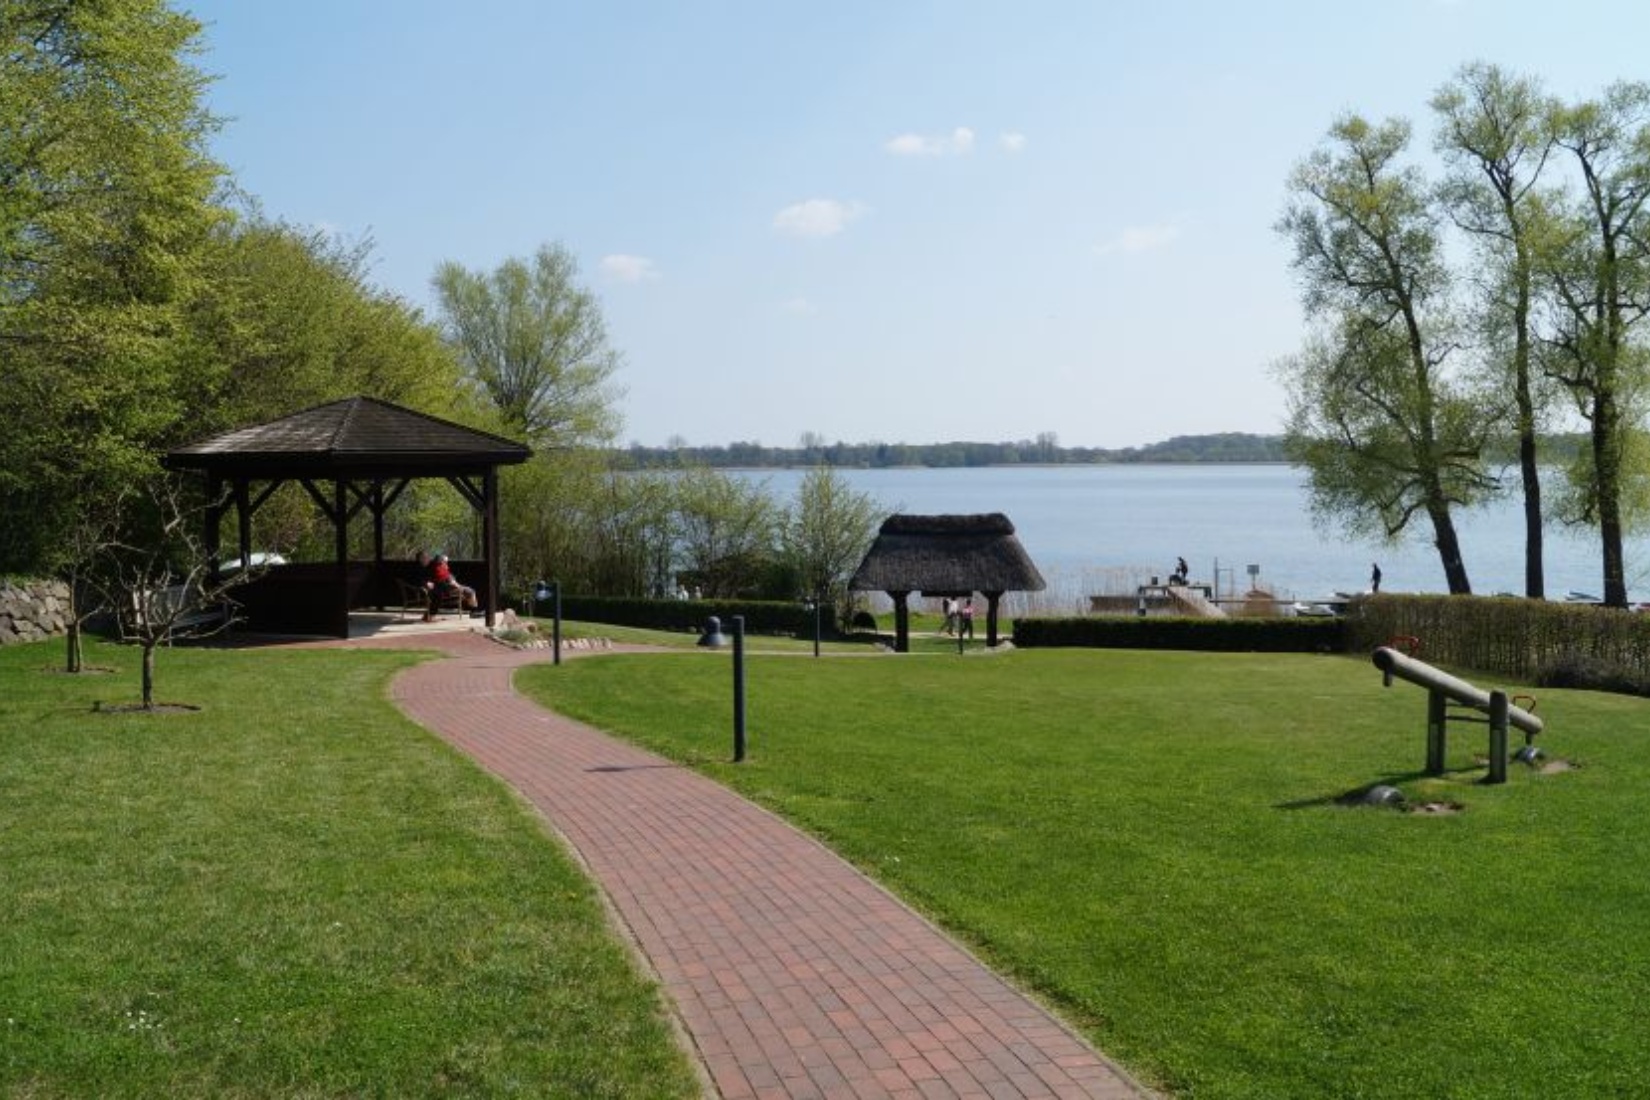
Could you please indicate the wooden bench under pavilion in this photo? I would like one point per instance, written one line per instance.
(351, 456)
(946, 555)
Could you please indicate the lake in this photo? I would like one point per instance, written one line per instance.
(1096, 529)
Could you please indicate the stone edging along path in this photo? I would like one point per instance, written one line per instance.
(791, 973)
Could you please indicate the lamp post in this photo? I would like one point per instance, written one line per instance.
(551, 591)
(738, 689)
(813, 603)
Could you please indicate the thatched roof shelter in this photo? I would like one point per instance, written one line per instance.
(948, 555)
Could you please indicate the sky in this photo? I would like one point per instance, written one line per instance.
(875, 220)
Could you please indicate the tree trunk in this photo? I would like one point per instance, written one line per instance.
(148, 676)
(1535, 577)
(1607, 484)
(1449, 548)
(75, 659)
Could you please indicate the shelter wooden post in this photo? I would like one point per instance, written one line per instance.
(214, 521)
(376, 504)
(340, 513)
(991, 601)
(490, 540)
(243, 521)
(902, 622)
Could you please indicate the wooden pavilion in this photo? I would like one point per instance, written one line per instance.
(951, 555)
(350, 456)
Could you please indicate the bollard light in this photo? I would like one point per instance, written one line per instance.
(713, 637)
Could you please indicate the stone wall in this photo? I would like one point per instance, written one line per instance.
(32, 610)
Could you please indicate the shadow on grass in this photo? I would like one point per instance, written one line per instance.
(1355, 796)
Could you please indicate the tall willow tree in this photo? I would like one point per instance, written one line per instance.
(105, 198)
(533, 340)
(1597, 280)
(1383, 429)
(1495, 140)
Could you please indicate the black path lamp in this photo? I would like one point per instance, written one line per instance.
(551, 591)
(814, 603)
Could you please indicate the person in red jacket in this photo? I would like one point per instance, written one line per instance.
(439, 582)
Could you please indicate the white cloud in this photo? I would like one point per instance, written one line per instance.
(956, 143)
(1140, 238)
(629, 269)
(799, 306)
(817, 217)
(1012, 142)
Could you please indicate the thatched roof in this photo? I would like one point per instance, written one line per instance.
(941, 555)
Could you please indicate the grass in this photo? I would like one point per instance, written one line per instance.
(1154, 842)
(293, 892)
(925, 637)
(681, 639)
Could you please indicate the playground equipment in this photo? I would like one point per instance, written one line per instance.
(1443, 689)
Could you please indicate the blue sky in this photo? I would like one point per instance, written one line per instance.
(896, 221)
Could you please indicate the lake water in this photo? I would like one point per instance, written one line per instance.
(1095, 529)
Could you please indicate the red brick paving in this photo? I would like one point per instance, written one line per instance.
(792, 974)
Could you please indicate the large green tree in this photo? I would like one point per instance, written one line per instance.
(1384, 431)
(105, 199)
(1495, 140)
(534, 341)
(1597, 280)
(287, 317)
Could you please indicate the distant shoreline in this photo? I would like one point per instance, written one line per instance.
(1225, 448)
(1023, 465)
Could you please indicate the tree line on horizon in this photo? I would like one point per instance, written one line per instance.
(1044, 450)
(1456, 320)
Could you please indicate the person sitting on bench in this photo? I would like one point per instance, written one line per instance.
(441, 585)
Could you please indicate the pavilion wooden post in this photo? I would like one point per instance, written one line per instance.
(340, 520)
(991, 601)
(376, 504)
(489, 539)
(243, 521)
(902, 622)
(214, 521)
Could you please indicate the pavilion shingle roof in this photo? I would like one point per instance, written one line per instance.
(357, 432)
(947, 554)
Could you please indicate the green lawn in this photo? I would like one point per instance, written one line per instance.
(294, 892)
(1153, 841)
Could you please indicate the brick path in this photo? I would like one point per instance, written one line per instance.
(792, 974)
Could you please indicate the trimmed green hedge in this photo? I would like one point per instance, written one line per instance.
(1214, 635)
(760, 617)
(1508, 635)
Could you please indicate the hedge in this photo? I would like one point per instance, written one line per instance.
(1508, 636)
(1214, 635)
(761, 617)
